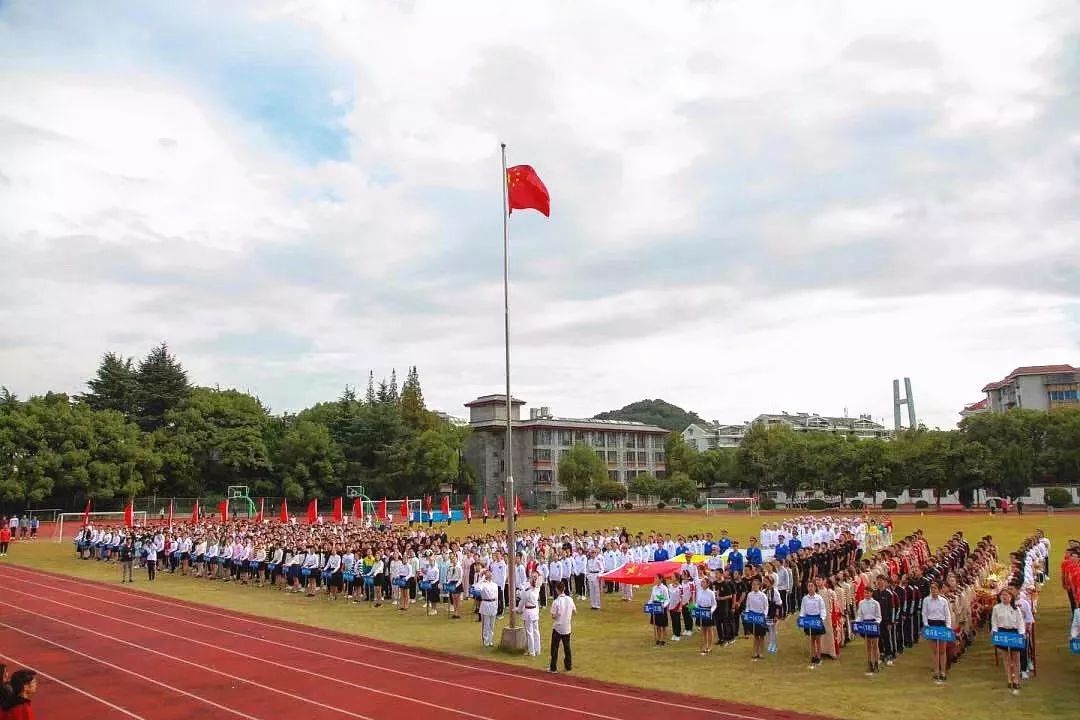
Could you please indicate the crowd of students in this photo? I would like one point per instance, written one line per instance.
(17, 690)
(812, 567)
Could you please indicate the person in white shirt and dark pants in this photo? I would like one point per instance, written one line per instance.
(562, 610)
(936, 613)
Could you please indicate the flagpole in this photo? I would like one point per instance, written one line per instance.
(510, 640)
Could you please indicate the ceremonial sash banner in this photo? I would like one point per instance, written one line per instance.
(753, 618)
(1074, 645)
(654, 608)
(811, 622)
(867, 628)
(701, 613)
(1008, 640)
(941, 634)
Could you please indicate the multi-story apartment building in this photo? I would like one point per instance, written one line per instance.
(715, 435)
(627, 448)
(1036, 387)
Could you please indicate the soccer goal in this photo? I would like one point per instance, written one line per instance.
(73, 521)
(732, 504)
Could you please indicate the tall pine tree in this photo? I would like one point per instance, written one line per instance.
(115, 387)
(393, 389)
(369, 397)
(162, 384)
(413, 411)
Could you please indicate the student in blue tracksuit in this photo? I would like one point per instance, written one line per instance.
(794, 546)
(753, 554)
(660, 554)
(725, 542)
(735, 560)
(781, 551)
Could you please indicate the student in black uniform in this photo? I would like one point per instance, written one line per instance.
(885, 602)
(725, 601)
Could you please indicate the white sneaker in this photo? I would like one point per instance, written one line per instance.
(675, 638)
(1025, 675)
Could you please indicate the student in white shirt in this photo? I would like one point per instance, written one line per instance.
(936, 613)
(706, 600)
(529, 607)
(488, 593)
(661, 595)
(869, 611)
(1006, 618)
(813, 605)
(562, 610)
(757, 602)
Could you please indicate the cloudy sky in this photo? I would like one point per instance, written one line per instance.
(756, 206)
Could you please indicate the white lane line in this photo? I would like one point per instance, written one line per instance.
(69, 686)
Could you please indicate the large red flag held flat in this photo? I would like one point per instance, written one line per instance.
(339, 510)
(129, 514)
(312, 511)
(525, 190)
(283, 513)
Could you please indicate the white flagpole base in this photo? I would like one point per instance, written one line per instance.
(513, 639)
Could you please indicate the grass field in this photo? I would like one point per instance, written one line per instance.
(616, 644)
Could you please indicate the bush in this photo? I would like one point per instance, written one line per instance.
(551, 506)
(856, 504)
(738, 506)
(661, 505)
(815, 504)
(888, 504)
(628, 506)
(1058, 497)
(921, 504)
(767, 504)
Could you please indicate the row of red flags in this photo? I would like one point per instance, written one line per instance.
(338, 514)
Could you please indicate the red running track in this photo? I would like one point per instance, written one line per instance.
(112, 652)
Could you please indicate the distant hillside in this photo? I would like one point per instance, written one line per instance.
(653, 412)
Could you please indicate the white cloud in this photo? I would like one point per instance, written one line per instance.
(756, 206)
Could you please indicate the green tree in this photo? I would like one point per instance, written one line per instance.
(609, 490)
(114, 387)
(580, 471)
(678, 486)
(677, 453)
(644, 485)
(717, 468)
(413, 411)
(306, 461)
(161, 385)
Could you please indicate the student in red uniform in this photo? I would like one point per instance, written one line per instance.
(23, 687)
(5, 539)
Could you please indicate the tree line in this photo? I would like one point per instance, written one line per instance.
(1004, 453)
(143, 429)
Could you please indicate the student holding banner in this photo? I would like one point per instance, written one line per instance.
(757, 607)
(1006, 625)
(937, 614)
(868, 624)
(812, 621)
(706, 607)
(658, 602)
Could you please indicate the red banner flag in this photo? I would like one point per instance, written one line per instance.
(405, 509)
(484, 509)
(86, 514)
(382, 510)
(427, 504)
(358, 509)
(312, 511)
(502, 505)
(262, 507)
(223, 508)
(195, 512)
(446, 505)
(525, 190)
(339, 510)
(283, 513)
(468, 507)
(518, 509)
(170, 512)
(129, 514)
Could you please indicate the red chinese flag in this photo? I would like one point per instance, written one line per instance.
(525, 191)
(86, 514)
(357, 509)
(262, 507)
(283, 513)
(502, 505)
(339, 510)
(129, 514)
(405, 509)
(195, 512)
(468, 507)
(312, 511)
(484, 509)
(382, 510)
(223, 508)
(517, 505)
(446, 505)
